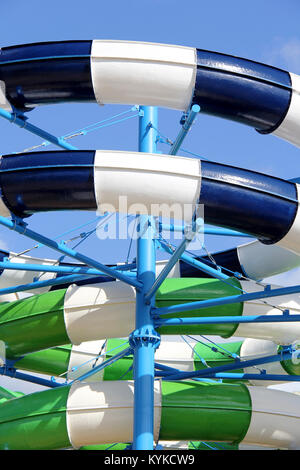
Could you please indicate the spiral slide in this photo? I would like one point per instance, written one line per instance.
(86, 313)
(254, 261)
(57, 330)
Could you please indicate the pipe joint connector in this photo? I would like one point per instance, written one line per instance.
(145, 336)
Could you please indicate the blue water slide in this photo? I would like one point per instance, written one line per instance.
(260, 205)
(235, 88)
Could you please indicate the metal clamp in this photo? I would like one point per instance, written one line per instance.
(143, 336)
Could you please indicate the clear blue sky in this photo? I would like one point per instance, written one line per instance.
(265, 31)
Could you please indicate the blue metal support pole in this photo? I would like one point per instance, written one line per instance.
(196, 263)
(232, 299)
(258, 376)
(172, 261)
(170, 228)
(235, 376)
(185, 129)
(22, 122)
(11, 372)
(144, 339)
(284, 355)
(104, 364)
(207, 230)
(225, 232)
(38, 284)
(217, 273)
(220, 320)
(20, 227)
(64, 269)
(56, 281)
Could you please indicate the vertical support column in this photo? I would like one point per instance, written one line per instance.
(144, 339)
(147, 132)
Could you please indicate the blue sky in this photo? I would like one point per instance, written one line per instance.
(265, 31)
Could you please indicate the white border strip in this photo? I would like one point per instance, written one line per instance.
(160, 185)
(275, 419)
(99, 311)
(291, 241)
(103, 412)
(290, 127)
(153, 74)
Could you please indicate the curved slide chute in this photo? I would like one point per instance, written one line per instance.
(97, 413)
(262, 206)
(125, 72)
(87, 313)
(6, 395)
(254, 260)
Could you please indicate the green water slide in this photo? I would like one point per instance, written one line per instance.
(87, 313)
(91, 414)
(48, 333)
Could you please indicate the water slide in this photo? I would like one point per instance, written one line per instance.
(53, 331)
(86, 313)
(71, 361)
